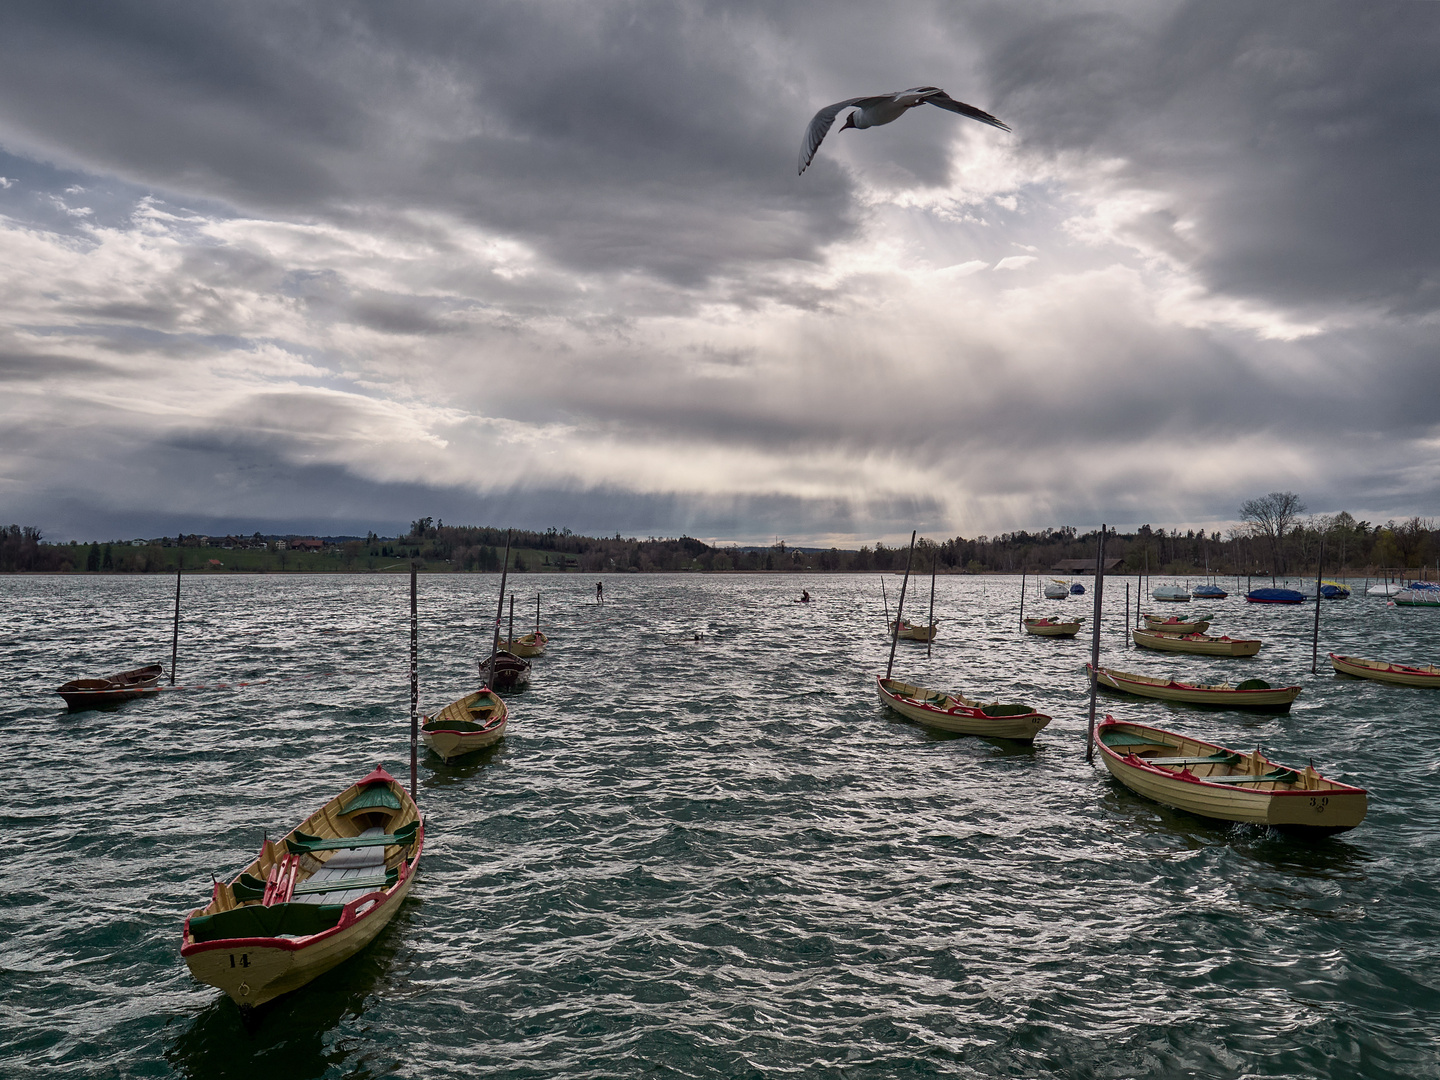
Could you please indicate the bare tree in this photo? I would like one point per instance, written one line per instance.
(1271, 517)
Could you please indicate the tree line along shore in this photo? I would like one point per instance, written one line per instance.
(1257, 548)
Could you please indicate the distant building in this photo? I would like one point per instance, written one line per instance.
(309, 544)
(139, 543)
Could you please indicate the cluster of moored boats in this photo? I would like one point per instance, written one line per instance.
(324, 890)
(1166, 766)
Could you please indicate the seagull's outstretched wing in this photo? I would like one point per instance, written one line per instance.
(820, 125)
(945, 101)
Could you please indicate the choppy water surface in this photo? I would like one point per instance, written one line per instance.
(709, 859)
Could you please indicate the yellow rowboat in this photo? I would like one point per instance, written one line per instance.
(951, 712)
(1176, 625)
(1380, 671)
(1214, 782)
(467, 725)
(313, 899)
(911, 632)
(526, 645)
(1053, 626)
(1199, 644)
(1250, 694)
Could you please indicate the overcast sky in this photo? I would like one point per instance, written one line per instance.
(327, 268)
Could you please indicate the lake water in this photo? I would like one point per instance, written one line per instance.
(719, 858)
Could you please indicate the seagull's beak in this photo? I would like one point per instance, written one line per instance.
(849, 122)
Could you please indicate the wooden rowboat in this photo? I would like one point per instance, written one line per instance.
(1247, 695)
(1176, 625)
(1382, 671)
(951, 712)
(510, 672)
(527, 645)
(1199, 644)
(311, 900)
(462, 727)
(1175, 594)
(911, 632)
(122, 686)
(1053, 626)
(1214, 782)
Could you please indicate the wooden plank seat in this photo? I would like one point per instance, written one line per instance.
(299, 843)
(1213, 759)
(1280, 775)
(347, 875)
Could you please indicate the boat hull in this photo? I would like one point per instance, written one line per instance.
(1177, 626)
(1045, 628)
(1382, 671)
(1328, 807)
(916, 633)
(454, 731)
(255, 971)
(1275, 699)
(527, 646)
(1195, 644)
(903, 698)
(80, 694)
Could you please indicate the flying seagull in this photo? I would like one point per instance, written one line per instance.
(881, 109)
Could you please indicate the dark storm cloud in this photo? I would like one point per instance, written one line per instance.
(584, 128)
(1298, 136)
(565, 231)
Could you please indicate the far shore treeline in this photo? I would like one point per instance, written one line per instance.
(1258, 548)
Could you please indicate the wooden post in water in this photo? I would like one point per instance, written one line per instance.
(1022, 598)
(414, 682)
(931, 621)
(1095, 645)
(900, 606)
(1127, 615)
(1315, 640)
(175, 638)
(886, 601)
(537, 614)
(499, 611)
(512, 621)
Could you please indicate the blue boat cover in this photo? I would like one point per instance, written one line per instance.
(1077, 589)
(1275, 596)
(1209, 592)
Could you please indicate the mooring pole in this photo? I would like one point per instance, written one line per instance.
(900, 607)
(175, 638)
(931, 631)
(1315, 640)
(499, 612)
(1022, 598)
(414, 682)
(1127, 614)
(1095, 646)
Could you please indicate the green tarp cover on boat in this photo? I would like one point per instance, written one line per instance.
(1006, 710)
(374, 797)
(293, 920)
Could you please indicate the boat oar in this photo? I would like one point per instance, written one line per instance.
(900, 605)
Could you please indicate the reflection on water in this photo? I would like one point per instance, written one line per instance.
(708, 858)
